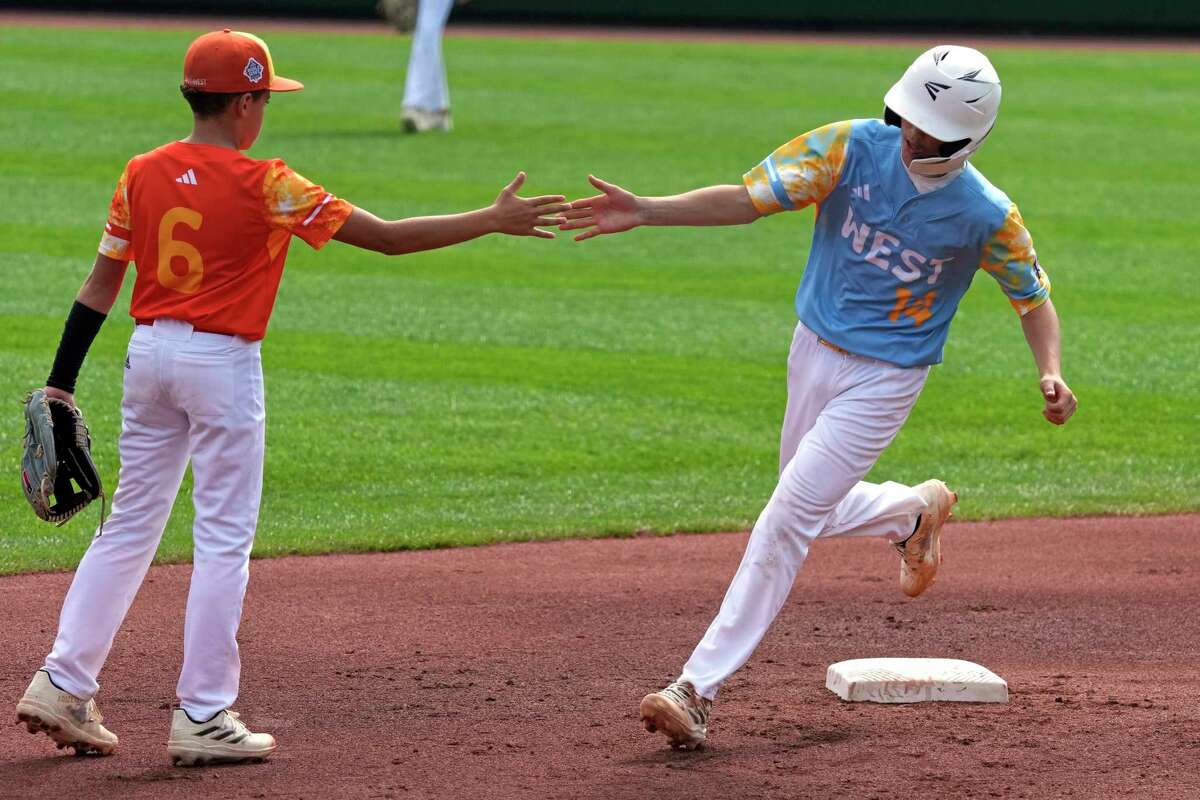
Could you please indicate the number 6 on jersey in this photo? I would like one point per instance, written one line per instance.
(170, 248)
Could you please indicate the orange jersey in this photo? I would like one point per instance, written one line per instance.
(208, 229)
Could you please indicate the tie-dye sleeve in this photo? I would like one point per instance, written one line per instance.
(117, 240)
(801, 172)
(299, 206)
(1010, 258)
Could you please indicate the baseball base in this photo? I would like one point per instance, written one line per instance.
(915, 680)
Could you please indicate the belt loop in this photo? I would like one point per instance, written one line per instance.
(167, 328)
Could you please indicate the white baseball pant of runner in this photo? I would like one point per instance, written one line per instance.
(186, 395)
(842, 413)
(425, 84)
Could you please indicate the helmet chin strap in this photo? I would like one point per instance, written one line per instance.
(936, 166)
(941, 165)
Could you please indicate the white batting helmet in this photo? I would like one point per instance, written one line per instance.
(951, 93)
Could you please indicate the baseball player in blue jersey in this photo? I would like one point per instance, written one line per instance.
(903, 224)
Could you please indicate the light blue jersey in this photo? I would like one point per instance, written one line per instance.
(888, 265)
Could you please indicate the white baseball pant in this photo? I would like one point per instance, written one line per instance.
(186, 395)
(842, 413)
(425, 84)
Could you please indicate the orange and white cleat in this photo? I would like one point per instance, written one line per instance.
(679, 713)
(921, 553)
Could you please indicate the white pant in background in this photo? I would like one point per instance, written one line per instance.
(425, 83)
(186, 395)
(842, 413)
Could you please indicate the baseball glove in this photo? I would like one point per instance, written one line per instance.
(57, 460)
(401, 13)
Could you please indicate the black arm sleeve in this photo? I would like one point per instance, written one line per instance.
(83, 324)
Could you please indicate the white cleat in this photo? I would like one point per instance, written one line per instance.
(419, 120)
(66, 719)
(679, 713)
(921, 553)
(221, 740)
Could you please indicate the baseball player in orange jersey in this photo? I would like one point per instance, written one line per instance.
(208, 229)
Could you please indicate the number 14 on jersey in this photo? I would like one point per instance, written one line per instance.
(920, 309)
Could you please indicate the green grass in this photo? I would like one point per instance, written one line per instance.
(512, 389)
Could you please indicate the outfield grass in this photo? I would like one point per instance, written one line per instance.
(512, 389)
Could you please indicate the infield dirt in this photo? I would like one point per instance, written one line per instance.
(515, 671)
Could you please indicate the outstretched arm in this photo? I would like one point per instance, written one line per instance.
(616, 210)
(517, 216)
(1045, 342)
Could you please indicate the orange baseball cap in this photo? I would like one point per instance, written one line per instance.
(232, 61)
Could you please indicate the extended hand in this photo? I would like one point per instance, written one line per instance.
(1060, 400)
(521, 216)
(613, 211)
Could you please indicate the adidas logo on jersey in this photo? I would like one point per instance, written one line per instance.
(188, 177)
(863, 192)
